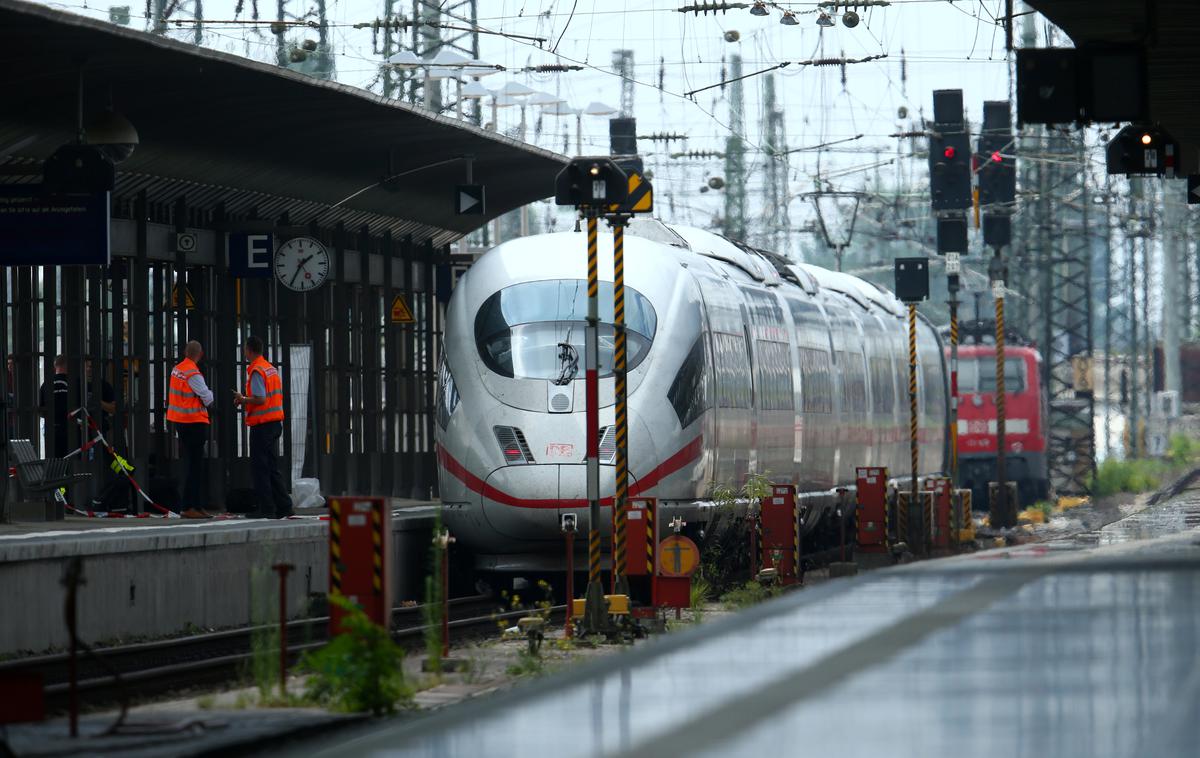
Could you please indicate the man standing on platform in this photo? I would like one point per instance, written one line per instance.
(53, 406)
(187, 410)
(263, 405)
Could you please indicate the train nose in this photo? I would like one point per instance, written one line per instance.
(526, 502)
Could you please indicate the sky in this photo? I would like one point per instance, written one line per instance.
(922, 45)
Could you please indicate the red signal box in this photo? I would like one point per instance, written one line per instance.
(870, 517)
(360, 549)
(780, 544)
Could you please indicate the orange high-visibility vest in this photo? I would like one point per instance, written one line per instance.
(183, 405)
(272, 410)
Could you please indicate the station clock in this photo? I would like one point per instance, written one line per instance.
(302, 264)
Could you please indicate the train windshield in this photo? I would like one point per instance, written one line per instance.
(979, 375)
(535, 330)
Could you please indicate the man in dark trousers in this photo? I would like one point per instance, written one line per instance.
(187, 410)
(262, 402)
(53, 406)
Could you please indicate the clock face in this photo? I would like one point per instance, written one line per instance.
(301, 264)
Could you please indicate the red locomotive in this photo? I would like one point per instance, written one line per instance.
(1025, 420)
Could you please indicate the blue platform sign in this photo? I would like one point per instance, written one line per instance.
(250, 254)
(37, 229)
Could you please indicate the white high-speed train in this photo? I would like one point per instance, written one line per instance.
(739, 363)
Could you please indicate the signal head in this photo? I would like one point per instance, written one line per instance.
(949, 153)
(997, 157)
(1147, 138)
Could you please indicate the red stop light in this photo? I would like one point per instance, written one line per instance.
(996, 157)
(949, 153)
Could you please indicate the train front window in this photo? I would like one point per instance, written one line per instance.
(978, 375)
(535, 330)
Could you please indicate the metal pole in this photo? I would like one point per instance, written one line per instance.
(594, 610)
(913, 448)
(1111, 311)
(621, 500)
(952, 272)
(5, 351)
(569, 630)
(283, 569)
(1135, 448)
(1002, 514)
(446, 595)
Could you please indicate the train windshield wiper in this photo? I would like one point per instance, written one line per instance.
(568, 364)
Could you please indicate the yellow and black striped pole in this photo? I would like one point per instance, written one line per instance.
(335, 546)
(621, 500)
(1003, 513)
(595, 612)
(377, 547)
(913, 448)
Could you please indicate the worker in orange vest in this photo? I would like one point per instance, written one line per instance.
(262, 402)
(187, 410)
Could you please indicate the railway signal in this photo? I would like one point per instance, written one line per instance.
(949, 153)
(912, 286)
(996, 166)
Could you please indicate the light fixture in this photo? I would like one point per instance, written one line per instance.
(113, 135)
(474, 91)
(597, 108)
(560, 109)
(1147, 138)
(949, 153)
(824, 19)
(543, 98)
(447, 57)
(850, 19)
(788, 19)
(759, 8)
(476, 67)
(405, 59)
(515, 89)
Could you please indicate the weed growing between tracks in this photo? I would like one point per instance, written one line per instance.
(1145, 474)
(748, 594)
(360, 670)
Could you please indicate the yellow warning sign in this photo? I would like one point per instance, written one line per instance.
(189, 302)
(640, 198)
(400, 311)
(677, 556)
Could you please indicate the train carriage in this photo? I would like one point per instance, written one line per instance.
(739, 363)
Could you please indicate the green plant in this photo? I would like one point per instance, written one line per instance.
(206, 702)
(360, 670)
(1183, 450)
(431, 612)
(527, 664)
(263, 665)
(1136, 475)
(748, 594)
(757, 486)
(701, 591)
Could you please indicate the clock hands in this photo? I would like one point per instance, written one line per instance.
(300, 267)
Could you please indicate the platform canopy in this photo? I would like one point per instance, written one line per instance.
(218, 128)
(1169, 30)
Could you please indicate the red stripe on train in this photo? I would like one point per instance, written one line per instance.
(684, 456)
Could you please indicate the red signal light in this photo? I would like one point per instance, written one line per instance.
(996, 157)
(949, 153)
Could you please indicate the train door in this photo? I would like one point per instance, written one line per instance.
(774, 400)
(816, 426)
(733, 391)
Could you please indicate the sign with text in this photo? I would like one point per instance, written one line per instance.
(37, 229)
(250, 254)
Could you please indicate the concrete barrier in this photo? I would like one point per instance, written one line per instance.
(155, 581)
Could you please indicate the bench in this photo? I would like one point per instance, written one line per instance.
(38, 475)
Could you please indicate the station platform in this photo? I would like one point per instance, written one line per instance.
(154, 577)
(1081, 647)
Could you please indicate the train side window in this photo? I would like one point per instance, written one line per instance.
(816, 381)
(883, 389)
(689, 391)
(854, 381)
(732, 364)
(980, 375)
(447, 395)
(774, 376)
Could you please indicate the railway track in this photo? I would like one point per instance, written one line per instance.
(147, 669)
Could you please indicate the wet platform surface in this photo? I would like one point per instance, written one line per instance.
(1081, 647)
